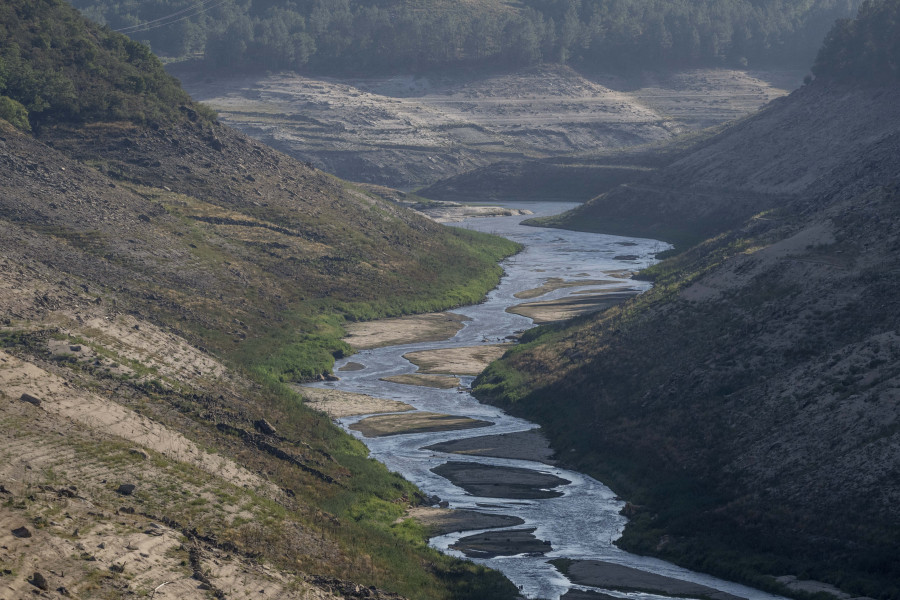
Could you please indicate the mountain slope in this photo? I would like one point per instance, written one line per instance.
(748, 404)
(161, 276)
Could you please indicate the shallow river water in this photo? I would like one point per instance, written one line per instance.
(584, 522)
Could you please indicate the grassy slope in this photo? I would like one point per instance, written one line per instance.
(187, 226)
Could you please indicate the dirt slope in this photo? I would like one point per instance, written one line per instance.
(407, 131)
(821, 139)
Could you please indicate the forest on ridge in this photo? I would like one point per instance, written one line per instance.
(391, 35)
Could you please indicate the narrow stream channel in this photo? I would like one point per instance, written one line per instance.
(583, 522)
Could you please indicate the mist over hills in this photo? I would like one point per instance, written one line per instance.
(748, 404)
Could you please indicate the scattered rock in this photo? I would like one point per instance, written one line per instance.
(265, 427)
(126, 489)
(117, 568)
(22, 532)
(26, 397)
(138, 452)
(39, 581)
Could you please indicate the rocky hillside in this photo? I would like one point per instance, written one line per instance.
(161, 276)
(748, 405)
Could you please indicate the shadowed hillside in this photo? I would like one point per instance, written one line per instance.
(747, 406)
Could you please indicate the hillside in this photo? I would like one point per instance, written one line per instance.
(162, 277)
(353, 36)
(747, 406)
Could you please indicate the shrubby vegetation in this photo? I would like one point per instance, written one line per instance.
(57, 67)
(357, 35)
(864, 49)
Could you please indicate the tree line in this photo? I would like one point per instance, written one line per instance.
(392, 35)
(866, 49)
(56, 67)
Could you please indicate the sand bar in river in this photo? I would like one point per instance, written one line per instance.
(469, 360)
(610, 576)
(337, 403)
(522, 445)
(441, 382)
(567, 308)
(417, 422)
(431, 327)
(491, 481)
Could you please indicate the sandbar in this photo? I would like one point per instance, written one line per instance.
(441, 382)
(523, 445)
(431, 327)
(439, 521)
(553, 284)
(337, 403)
(567, 308)
(502, 543)
(611, 576)
(468, 360)
(491, 481)
(417, 422)
(584, 595)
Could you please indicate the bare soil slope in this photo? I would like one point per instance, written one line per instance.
(407, 131)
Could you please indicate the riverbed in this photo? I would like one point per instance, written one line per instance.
(560, 513)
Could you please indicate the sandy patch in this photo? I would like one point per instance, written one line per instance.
(524, 445)
(610, 576)
(583, 595)
(501, 482)
(557, 283)
(337, 403)
(440, 521)
(58, 483)
(468, 360)
(432, 327)
(57, 397)
(567, 308)
(418, 422)
(441, 382)
(452, 212)
(502, 543)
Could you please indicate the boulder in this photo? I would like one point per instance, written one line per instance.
(265, 427)
(26, 397)
(22, 532)
(39, 581)
(126, 489)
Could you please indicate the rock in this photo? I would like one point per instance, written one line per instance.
(117, 568)
(63, 591)
(265, 427)
(26, 397)
(138, 452)
(39, 581)
(127, 510)
(126, 489)
(75, 348)
(22, 532)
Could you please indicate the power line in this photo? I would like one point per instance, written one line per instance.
(155, 23)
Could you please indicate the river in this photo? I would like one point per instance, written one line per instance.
(584, 521)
